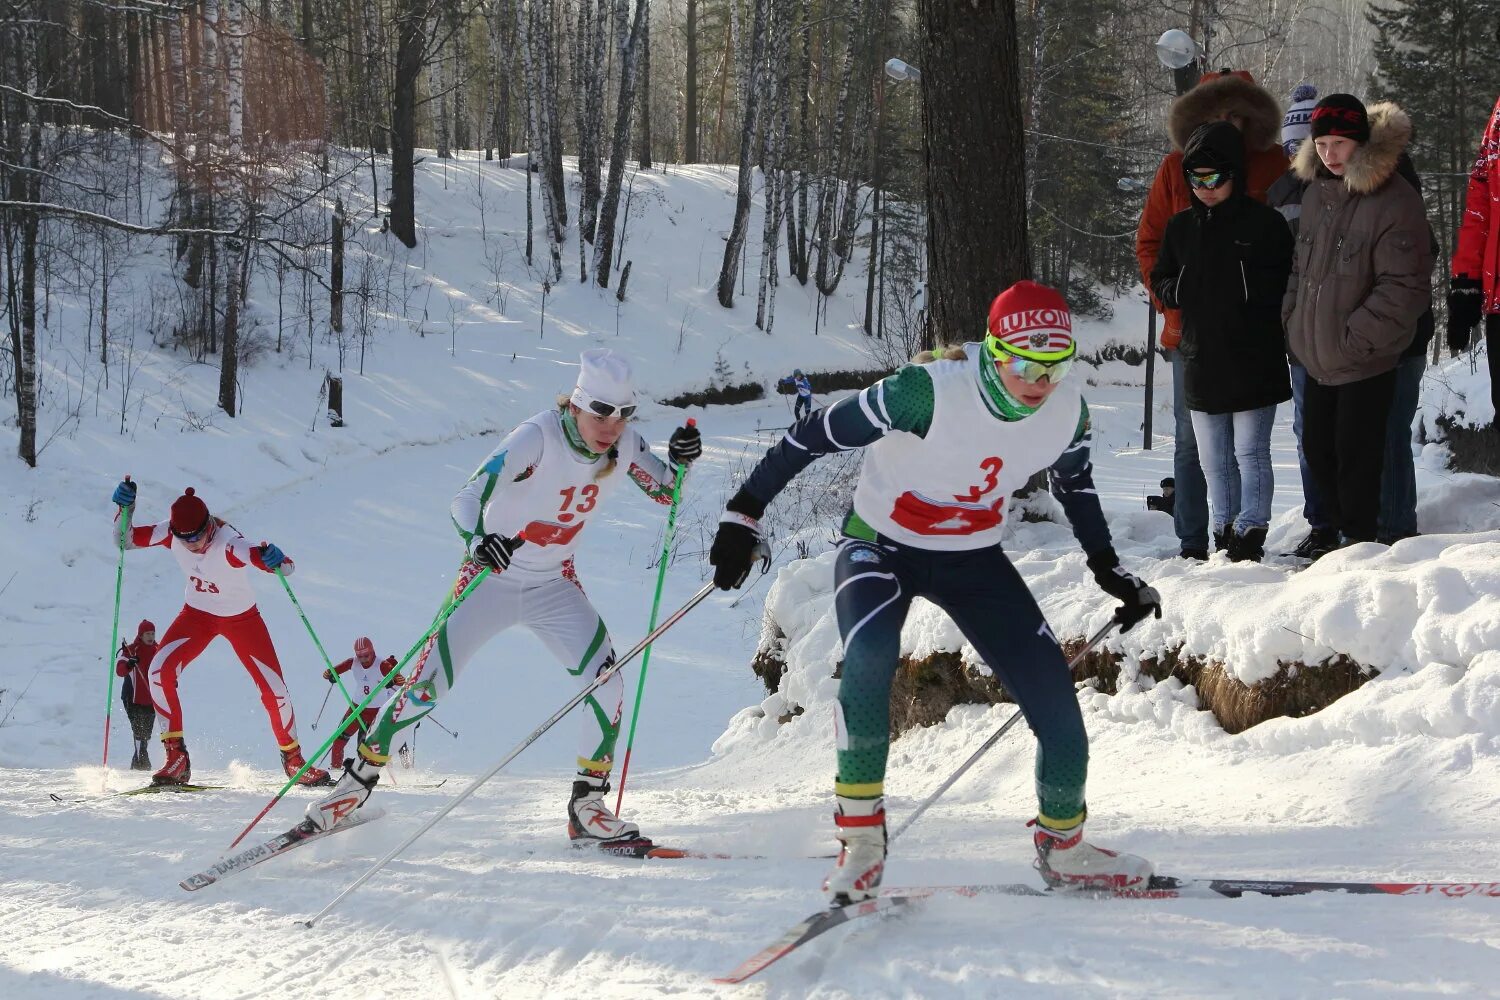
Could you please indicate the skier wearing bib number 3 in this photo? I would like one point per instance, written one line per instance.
(948, 440)
(539, 487)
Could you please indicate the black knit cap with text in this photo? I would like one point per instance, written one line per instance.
(1341, 115)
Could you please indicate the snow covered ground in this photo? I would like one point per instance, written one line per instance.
(1400, 780)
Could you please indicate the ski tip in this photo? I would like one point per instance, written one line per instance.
(308, 923)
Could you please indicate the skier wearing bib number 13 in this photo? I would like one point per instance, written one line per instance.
(540, 486)
(218, 602)
(948, 440)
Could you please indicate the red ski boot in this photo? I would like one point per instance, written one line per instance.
(178, 770)
(292, 761)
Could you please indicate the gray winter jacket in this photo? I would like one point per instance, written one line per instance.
(1362, 274)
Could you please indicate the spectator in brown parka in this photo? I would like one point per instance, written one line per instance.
(1360, 280)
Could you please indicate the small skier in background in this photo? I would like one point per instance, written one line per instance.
(803, 405)
(366, 676)
(219, 602)
(540, 486)
(134, 665)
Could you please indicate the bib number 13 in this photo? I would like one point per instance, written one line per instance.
(586, 497)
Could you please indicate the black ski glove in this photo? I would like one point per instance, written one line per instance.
(685, 444)
(1137, 599)
(1465, 304)
(734, 550)
(494, 551)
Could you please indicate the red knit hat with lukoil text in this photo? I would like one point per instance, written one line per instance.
(1031, 321)
(189, 514)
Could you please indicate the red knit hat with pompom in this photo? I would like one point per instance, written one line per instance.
(189, 513)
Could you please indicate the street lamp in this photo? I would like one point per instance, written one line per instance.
(1176, 48)
(898, 69)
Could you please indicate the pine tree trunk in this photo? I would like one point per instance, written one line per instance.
(336, 269)
(976, 189)
(409, 43)
(735, 245)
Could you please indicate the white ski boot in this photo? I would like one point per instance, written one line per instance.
(589, 819)
(358, 781)
(861, 863)
(1067, 861)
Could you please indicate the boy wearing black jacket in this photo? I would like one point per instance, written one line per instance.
(1224, 262)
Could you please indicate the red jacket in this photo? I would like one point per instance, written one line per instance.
(137, 674)
(1478, 251)
(1215, 94)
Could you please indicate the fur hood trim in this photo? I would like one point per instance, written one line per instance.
(1375, 161)
(1230, 92)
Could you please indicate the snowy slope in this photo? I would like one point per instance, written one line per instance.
(1398, 780)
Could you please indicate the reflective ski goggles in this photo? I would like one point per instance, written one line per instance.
(599, 407)
(193, 536)
(1030, 370)
(1207, 182)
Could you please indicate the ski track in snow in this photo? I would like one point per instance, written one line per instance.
(1400, 780)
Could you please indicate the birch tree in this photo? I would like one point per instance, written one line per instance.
(604, 237)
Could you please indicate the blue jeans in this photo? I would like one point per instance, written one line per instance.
(1236, 453)
(1313, 507)
(1398, 477)
(1190, 515)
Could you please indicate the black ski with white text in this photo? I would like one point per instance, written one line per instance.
(1161, 887)
(298, 835)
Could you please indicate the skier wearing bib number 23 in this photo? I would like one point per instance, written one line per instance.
(218, 602)
(539, 487)
(948, 440)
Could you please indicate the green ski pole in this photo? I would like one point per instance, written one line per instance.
(438, 623)
(114, 630)
(661, 578)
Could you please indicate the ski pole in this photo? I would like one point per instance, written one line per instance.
(327, 661)
(319, 718)
(441, 726)
(114, 630)
(1097, 638)
(661, 578)
(437, 623)
(515, 752)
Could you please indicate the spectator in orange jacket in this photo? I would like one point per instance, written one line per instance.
(134, 665)
(1225, 96)
(1474, 290)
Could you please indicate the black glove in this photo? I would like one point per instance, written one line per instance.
(1137, 599)
(1465, 305)
(494, 551)
(124, 494)
(734, 550)
(685, 445)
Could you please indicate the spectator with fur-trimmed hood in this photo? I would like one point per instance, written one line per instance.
(1360, 281)
(1226, 96)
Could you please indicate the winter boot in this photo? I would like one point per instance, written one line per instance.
(1066, 861)
(1222, 538)
(1318, 543)
(178, 770)
(1247, 546)
(589, 819)
(359, 780)
(861, 830)
(292, 761)
(142, 759)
